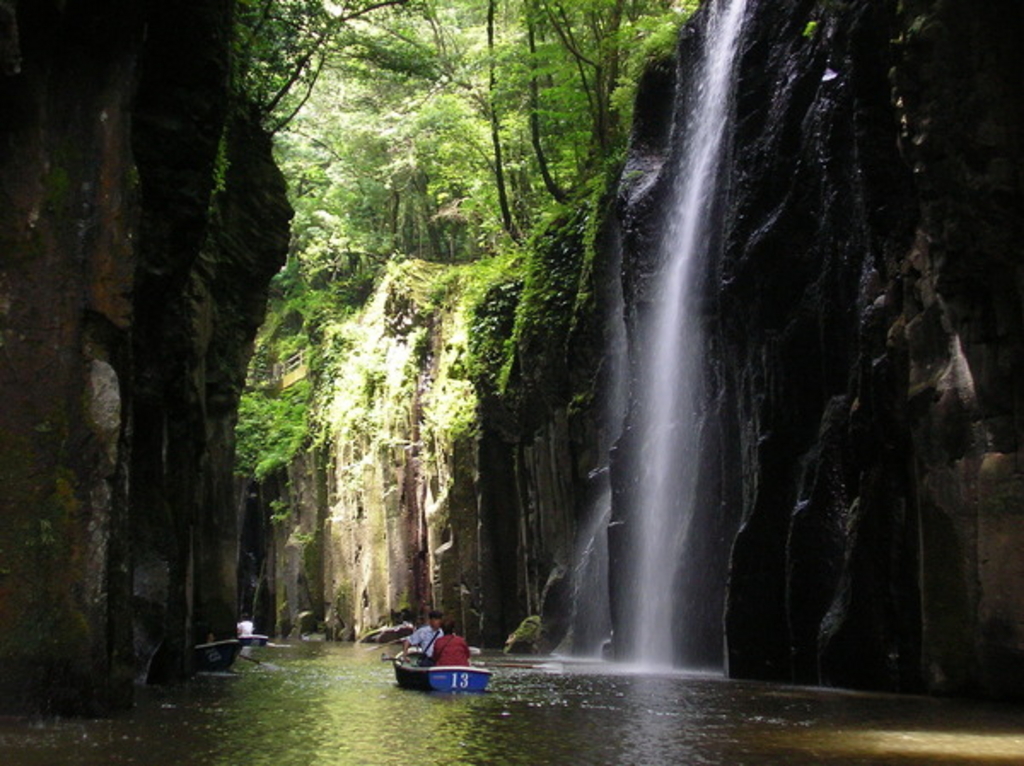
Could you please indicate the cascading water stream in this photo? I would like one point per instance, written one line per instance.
(668, 386)
(591, 620)
(591, 613)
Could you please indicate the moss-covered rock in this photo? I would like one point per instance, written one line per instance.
(528, 638)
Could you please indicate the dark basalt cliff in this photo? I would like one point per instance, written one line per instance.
(134, 259)
(865, 345)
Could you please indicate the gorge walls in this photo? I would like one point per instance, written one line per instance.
(132, 278)
(964, 332)
(67, 217)
(822, 578)
(862, 478)
(446, 470)
(863, 338)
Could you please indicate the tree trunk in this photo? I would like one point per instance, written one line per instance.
(542, 162)
(499, 166)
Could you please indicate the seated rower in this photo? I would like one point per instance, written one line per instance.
(451, 649)
(424, 638)
(245, 627)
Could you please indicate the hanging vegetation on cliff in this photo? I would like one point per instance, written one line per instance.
(445, 132)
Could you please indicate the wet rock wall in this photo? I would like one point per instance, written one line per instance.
(864, 331)
(68, 213)
(131, 282)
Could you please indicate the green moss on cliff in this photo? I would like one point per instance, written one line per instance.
(272, 427)
(524, 322)
(492, 320)
(551, 285)
(401, 388)
(41, 554)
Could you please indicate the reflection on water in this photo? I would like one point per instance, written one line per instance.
(338, 704)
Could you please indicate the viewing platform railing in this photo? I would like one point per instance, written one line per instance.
(280, 375)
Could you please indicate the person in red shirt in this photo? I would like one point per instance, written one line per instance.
(451, 649)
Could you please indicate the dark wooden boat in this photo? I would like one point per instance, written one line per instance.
(216, 655)
(441, 678)
(253, 639)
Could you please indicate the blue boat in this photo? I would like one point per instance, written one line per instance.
(216, 655)
(441, 678)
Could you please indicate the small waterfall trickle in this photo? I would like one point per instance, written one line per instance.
(591, 618)
(668, 376)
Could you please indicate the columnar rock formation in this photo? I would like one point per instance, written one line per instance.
(860, 482)
(418, 493)
(130, 287)
(865, 345)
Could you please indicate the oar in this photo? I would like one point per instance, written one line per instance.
(386, 643)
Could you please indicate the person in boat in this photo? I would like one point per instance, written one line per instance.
(245, 627)
(451, 648)
(424, 637)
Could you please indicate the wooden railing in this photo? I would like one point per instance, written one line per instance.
(294, 369)
(281, 375)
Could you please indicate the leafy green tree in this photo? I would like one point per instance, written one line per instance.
(281, 47)
(271, 429)
(443, 130)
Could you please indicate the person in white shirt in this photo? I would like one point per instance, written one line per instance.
(245, 627)
(424, 638)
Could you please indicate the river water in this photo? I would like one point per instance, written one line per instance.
(319, 703)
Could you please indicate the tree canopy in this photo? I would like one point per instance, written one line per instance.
(441, 130)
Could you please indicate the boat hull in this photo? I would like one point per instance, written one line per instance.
(452, 678)
(216, 655)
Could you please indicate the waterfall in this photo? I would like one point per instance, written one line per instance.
(591, 612)
(668, 378)
(591, 618)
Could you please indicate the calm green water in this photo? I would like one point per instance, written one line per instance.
(323, 704)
